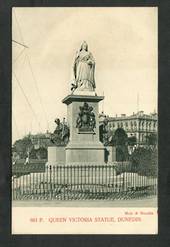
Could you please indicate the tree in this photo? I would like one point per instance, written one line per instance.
(120, 137)
(132, 141)
(120, 140)
(41, 153)
(23, 146)
(144, 161)
(32, 153)
(154, 162)
(151, 140)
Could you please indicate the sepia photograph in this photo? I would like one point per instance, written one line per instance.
(84, 120)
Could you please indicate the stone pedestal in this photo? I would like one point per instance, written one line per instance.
(56, 155)
(110, 154)
(84, 147)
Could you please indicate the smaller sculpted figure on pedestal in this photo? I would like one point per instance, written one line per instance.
(61, 133)
(84, 66)
(106, 135)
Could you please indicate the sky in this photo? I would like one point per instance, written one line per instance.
(123, 41)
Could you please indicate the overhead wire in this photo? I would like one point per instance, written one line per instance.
(33, 76)
(13, 94)
(19, 43)
(18, 28)
(19, 55)
(37, 89)
(16, 78)
(13, 85)
(27, 100)
(16, 126)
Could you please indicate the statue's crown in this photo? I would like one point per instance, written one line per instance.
(84, 43)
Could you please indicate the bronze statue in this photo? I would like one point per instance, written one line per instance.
(106, 135)
(61, 133)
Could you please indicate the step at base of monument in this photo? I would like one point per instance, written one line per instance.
(85, 145)
(86, 153)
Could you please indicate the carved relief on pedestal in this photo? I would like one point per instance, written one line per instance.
(86, 121)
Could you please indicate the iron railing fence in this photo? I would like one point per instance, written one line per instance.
(81, 182)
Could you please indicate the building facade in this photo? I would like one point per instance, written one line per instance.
(139, 125)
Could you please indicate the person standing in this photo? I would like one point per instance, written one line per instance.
(27, 160)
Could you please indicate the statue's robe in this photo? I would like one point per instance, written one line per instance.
(84, 72)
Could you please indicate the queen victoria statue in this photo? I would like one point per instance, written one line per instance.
(84, 66)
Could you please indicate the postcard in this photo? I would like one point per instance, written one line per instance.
(84, 120)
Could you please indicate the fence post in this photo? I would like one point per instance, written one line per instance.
(50, 183)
